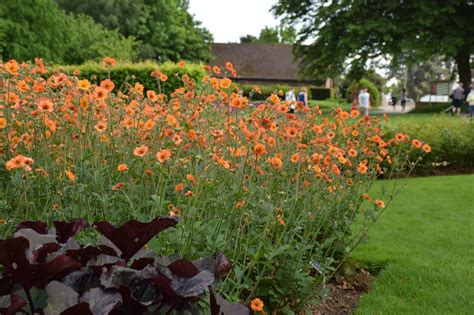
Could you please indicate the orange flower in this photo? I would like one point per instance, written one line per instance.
(108, 62)
(259, 149)
(122, 167)
(163, 77)
(225, 83)
(380, 203)
(355, 113)
(179, 187)
(295, 158)
(216, 70)
(118, 186)
(108, 85)
(101, 93)
(3, 122)
(256, 305)
(45, 106)
(426, 147)
(182, 64)
(280, 220)
(101, 126)
(140, 151)
(83, 84)
(352, 152)
(366, 196)
(276, 162)
(292, 132)
(399, 137)
(171, 120)
(416, 143)
(71, 176)
(362, 168)
(163, 155)
(12, 67)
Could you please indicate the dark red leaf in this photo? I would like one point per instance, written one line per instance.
(6, 284)
(133, 235)
(141, 263)
(223, 265)
(183, 268)
(57, 268)
(84, 254)
(66, 230)
(79, 309)
(41, 253)
(38, 226)
(13, 258)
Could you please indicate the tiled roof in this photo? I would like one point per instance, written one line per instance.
(258, 61)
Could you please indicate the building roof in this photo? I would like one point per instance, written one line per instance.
(258, 62)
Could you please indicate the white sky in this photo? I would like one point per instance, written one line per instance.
(227, 20)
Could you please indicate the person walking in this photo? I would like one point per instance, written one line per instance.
(303, 96)
(470, 101)
(403, 99)
(458, 97)
(364, 101)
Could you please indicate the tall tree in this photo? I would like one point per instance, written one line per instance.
(165, 28)
(342, 32)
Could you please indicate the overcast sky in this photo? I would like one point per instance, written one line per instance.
(227, 20)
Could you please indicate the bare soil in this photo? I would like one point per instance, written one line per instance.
(344, 294)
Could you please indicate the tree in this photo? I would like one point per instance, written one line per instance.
(164, 28)
(269, 35)
(248, 39)
(345, 32)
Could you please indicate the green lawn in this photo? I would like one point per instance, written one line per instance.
(425, 243)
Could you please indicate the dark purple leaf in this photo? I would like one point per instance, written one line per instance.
(223, 265)
(15, 305)
(195, 286)
(141, 263)
(66, 230)
(35, 240)
(39, 255)
(163, 285)
(219, 306)
(183, 268)
(129, 304)
(81, 281)
(38, 226)
(6, 284)
(13, 258)
(133, 235)
(57, 268)
(84, 254)
(78, 309)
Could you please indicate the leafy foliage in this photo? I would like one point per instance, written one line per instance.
(356, 86)
(164, 28)
(358, 31)
(116, 276)
(29, 29)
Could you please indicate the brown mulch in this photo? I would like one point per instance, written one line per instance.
(344, 294)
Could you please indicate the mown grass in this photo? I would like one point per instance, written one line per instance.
(425, 242)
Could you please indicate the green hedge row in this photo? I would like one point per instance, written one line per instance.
(355, 87)
(139, 72)
(451, 140)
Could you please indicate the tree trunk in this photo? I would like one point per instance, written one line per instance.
(464, 67)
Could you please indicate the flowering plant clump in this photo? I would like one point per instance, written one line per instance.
(285, 196)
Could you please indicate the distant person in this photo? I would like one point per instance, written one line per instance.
(403, 99)
(291, 99)
(458, 97)
(303, 96)
(470, 101)
(394, 102)
(364, 101)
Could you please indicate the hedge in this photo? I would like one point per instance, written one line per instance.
(451, 140)
(355, 87)
(314, 93)
(139, 72)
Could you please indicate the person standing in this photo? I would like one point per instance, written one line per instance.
(364, 101)
(291, 99)
(403, 99)
(303, 96)
(458, 97)
(470, 101)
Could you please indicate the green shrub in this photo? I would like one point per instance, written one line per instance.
(355, 87)
(427, 108)
(451, 141)
(139, 72)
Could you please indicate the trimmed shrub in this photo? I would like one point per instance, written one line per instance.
(321, 93)
(451, 141)
(139, 72)
(355, 87)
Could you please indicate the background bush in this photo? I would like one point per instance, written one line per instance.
(355, 87)
(269, 89)
(139, 72)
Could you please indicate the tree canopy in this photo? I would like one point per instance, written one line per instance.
(339, 33)
(280, 34)
(164, 28)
